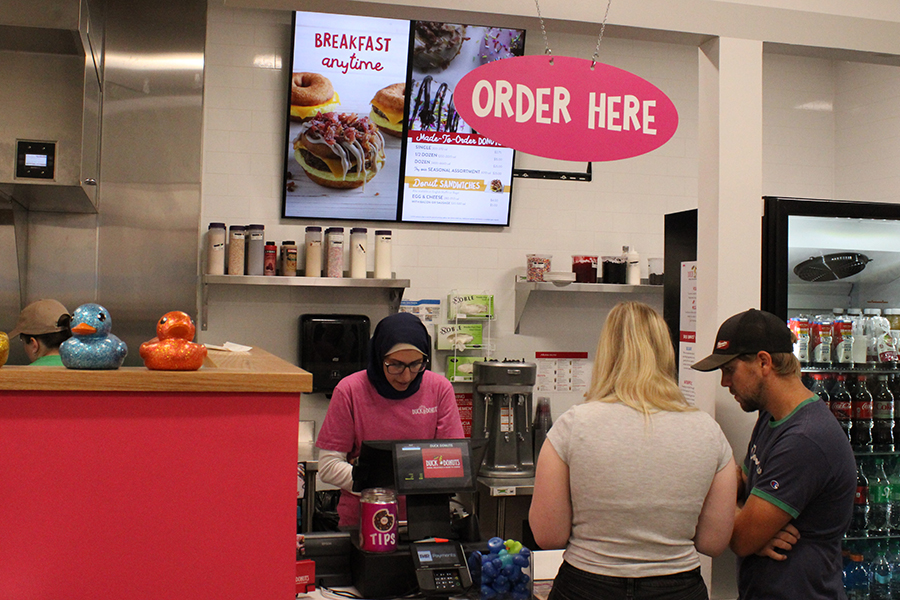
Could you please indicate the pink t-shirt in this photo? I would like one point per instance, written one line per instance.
(357, 412)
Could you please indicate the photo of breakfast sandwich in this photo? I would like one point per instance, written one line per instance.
(339, 150)
(387, 109)
(312, 94)
(436, 44)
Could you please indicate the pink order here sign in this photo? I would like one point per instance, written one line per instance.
(566, 110)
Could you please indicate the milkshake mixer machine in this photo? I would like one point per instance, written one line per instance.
(502, 415)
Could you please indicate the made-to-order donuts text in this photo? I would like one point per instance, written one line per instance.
(551, 105)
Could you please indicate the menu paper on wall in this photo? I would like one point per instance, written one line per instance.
(687, 326)
(562, 371)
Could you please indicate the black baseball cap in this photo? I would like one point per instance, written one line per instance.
(748, 332)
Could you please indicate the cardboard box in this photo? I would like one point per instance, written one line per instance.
(461, 336)
(460, 368)
(461, 306)
(305, 576)
(429, 311)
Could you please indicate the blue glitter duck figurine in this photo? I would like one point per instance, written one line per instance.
(92, 346)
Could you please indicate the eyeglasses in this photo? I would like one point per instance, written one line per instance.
(396, 368)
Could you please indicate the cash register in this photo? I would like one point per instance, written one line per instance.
(429, 558)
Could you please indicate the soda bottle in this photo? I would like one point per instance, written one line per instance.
(882, 416)
(820, 336)
(859, 522)
(857, 579)
(818, 388)
(841, 405)
(881, 574)
(879, 499)
(894, 560)
(861, 408)
(894, 482)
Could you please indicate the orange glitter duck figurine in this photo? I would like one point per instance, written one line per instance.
(173, 349)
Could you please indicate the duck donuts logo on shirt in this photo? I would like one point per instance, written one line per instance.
(567, 110)
(439, 463)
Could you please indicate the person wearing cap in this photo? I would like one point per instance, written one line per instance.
(395, 398)
(42, 326)
(798, 479)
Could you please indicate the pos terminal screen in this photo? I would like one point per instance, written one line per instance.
(433, 466)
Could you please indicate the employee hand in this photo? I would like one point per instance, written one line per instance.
(780, 543)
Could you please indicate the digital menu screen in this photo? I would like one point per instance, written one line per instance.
(373, 133)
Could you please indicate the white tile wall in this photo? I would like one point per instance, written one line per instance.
(830, 130)
(247, 54)
(798, 126)
(867, 136)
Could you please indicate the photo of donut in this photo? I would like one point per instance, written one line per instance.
(311, 94)
(501, 43)
(339, 150)
(436, 44)
(387, 109)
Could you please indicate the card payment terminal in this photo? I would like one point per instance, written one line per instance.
(441, 568)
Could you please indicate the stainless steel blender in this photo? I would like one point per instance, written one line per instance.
(502, 414)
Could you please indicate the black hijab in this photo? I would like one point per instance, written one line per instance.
(399, 328)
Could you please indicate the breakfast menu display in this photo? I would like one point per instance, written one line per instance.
(381, 139)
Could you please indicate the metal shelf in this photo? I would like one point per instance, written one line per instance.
(301, 281)
(524, 289)
(394, 287)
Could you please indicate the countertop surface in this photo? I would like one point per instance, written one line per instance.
(253, 371)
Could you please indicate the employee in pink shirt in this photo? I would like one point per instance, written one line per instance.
(395, 398)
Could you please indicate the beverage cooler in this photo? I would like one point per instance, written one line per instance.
(832, 271)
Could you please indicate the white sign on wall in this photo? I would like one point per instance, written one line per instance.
(687, 330)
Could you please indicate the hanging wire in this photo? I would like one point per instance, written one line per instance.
(544, 32)
(547, 50)
(600, 38)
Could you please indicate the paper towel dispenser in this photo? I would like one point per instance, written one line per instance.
(332, 347)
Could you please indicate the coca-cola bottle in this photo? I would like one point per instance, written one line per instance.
(882, 416)
(859, 522)
(841, 406)
(861, 407)
(818, 388)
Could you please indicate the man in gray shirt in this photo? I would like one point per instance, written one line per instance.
(799, 474)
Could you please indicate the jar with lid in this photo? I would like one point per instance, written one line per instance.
(289, 258)
(893, 317)
(236, 237)
(255, 249)
(383, 269)
(215, 249)
(358, 244)
(270, 258)
(879, 351)
(313, 251)
(334, 251)
(378, 520)
(633, 265)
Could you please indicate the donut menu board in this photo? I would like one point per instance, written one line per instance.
(373, 133)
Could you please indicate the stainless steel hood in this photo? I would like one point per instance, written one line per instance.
(51, 62)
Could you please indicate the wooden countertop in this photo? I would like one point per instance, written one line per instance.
(253, 371)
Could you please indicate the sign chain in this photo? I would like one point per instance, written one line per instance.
(549, 53)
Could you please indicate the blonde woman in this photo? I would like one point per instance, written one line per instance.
(634, 482)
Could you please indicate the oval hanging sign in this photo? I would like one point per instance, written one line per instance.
(566, 110)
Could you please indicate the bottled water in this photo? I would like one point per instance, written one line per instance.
(881, 575)
(856, 579)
